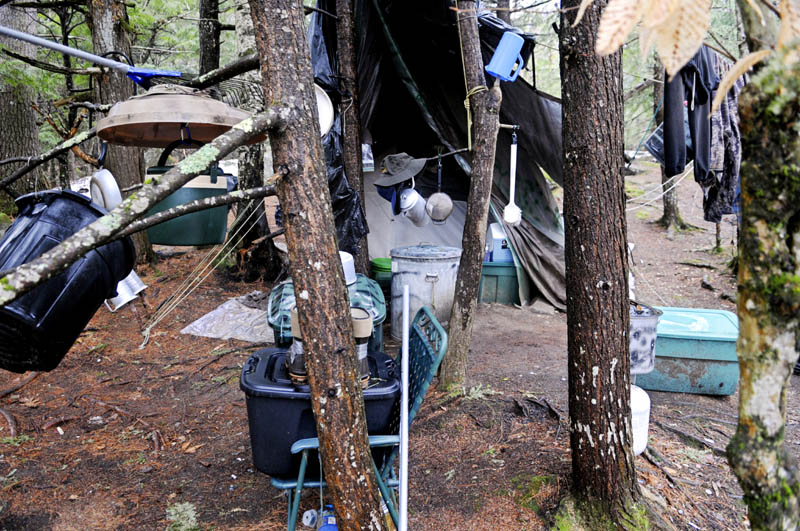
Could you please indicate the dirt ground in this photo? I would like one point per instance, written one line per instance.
(118, 434)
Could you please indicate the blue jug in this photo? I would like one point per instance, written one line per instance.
(507, 62)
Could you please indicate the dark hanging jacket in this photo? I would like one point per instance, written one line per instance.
(693, 84)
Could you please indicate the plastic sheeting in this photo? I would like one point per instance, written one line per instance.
(237, 318)
(417, 104)
(348, 213)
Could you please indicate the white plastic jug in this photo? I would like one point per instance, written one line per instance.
(640, 418)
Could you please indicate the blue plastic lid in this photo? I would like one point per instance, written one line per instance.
(426, 252)
(697, 323)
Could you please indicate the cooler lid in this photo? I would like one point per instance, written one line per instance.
(364, 293)
(264, 375)
(435, 252)
(698, 323)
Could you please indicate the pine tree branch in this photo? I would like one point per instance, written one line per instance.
(27, 276)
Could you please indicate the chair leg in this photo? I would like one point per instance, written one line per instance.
(387, 497)
(294, 507)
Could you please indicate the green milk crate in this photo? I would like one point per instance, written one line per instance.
(695, 353)
(499, 283)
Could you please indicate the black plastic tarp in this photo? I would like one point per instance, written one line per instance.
(412, 93)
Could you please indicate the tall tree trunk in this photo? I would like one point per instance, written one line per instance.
(671, 219)
(20, 134)
(208, 33)
(603, 474)
(108, 21)
(769, 285)
(315, 266)
(503, 13)
(262, 259)
(351, 117)
(485, 109)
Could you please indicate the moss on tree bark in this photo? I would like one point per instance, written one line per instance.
(769, 293)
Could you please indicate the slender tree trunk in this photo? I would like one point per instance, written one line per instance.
(262, 259)
(208, 33)
(503, 13)
(322, 302)
(108, 22)
(671, 219)
(485, 112)
(351, 117)
(603, 474)
(20, 135)
(769, 284)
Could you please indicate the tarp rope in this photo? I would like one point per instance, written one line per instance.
(665, 192)
(193, 280)
(470, 92)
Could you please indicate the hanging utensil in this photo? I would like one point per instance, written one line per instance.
(439, 206)
(512, 214)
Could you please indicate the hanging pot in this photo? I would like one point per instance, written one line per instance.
(439, 206)
(412, 205)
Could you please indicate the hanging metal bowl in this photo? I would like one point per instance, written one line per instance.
(167, 113)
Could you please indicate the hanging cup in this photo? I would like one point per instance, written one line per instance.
(507, 62)
(127, 289)
(412, 205)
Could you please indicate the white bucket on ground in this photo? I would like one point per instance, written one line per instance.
(640, 418)
(430, 272)
(643, 328)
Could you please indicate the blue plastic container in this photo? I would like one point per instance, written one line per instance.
(506, 63)
(38, 329)
(695, 353)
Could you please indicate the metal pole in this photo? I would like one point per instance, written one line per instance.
(404, 419)
(38, 41)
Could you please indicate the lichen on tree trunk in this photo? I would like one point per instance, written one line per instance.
(485, 107)
(769, 293)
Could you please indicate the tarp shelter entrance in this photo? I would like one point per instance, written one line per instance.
(412, 100)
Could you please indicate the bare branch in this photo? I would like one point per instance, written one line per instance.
(201, 204)
(58, 69)
(240, 66)
(27, 276)
(35, 162)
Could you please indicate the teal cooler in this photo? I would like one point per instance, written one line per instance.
(205, 227)
(499, 283)
(695, 353)
(364, 293)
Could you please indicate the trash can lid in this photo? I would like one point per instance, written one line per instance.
(436, 252)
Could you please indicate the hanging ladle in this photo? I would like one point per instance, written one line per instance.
(512, 213)
(439, 205)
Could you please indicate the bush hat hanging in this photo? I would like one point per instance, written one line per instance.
(399, 168)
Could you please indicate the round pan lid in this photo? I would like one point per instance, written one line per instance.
(157, 118)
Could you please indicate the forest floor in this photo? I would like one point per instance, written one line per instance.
(143, 430)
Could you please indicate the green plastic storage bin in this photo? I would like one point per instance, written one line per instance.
(499, 283)
(205, 227)
(695, 353)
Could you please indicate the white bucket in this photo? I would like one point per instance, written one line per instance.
(430, 272)
(640, 418)
(642, 336)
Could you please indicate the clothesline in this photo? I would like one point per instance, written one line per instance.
(688, 169)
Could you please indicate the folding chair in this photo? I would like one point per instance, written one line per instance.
(426, 348)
